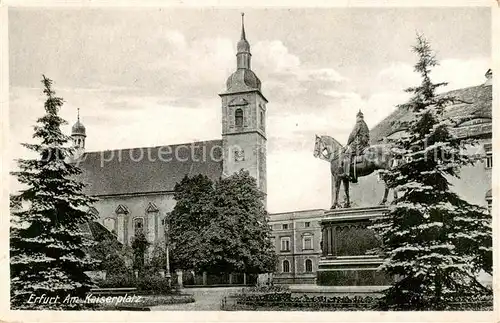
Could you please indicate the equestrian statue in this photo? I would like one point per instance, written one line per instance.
(355, 160)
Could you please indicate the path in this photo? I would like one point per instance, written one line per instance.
(206, 299)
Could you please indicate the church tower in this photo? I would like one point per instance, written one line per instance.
(78, 133)
(244, 118)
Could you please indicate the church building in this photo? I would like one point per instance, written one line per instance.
(135, 186)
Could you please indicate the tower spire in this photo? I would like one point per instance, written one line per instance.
(243, 36)
(78, 114)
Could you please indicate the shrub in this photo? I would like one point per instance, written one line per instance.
(283, 300)
(266, 289)
(154, 285)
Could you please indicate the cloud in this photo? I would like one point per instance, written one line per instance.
(274, 57)
(286, 76)
(375, 108)
(112, 119)
(289, 168)
(325, 74)
(459, 73)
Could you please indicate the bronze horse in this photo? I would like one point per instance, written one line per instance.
(373, 158)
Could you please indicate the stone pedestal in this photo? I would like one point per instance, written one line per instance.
(346, 240)
(244, 278)
(204, 278)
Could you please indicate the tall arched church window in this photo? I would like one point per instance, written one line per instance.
(238, 117)
(138, 225)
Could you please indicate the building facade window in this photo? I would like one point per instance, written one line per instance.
(489, 160)
(138, 225)
(309, 266)
(284, 226)
(262, 120)
(489, 199)
(286, 266)
(285, 244)
(488, 149)
(307, 242)
(238, 117)
(307, 224)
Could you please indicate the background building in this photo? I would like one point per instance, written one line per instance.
(296, 237)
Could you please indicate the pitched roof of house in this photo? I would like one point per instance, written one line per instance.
(475, 103)
(149, 169)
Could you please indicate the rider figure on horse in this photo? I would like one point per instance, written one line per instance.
(357, 142)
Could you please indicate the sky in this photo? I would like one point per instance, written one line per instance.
(151, 76)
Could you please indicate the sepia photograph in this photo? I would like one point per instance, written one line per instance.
(301, 159)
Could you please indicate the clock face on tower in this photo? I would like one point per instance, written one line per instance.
(239, 155)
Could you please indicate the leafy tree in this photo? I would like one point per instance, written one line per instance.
(46, 244)
(434, 241)
(188, 220)
(111, 256)
(240, 227)
(221, 227)
(139, 246)
(158, 258)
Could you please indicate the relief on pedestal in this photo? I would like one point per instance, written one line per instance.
(355, 240)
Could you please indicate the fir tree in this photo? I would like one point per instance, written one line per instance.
(46, 244)
(435, 242)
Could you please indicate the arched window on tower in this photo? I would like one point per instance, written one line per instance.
(262, 120)
(238, 118)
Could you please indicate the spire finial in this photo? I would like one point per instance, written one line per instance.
(78, 114)
(243, 26)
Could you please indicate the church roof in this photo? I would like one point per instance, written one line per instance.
(78, 129)
(242, 80)
(475, 102)
(149, 169)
